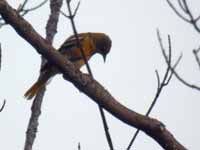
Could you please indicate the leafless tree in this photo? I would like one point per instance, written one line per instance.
(86, 83)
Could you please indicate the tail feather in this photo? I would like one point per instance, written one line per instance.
(41, 82)
(33, 90)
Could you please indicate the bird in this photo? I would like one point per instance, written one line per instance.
(91, 42)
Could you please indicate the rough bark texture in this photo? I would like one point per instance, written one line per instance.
(51, 29)
(90, 87)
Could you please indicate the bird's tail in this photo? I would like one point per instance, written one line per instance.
(41, 82)
(31, 92)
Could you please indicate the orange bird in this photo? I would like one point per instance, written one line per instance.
(91, 43)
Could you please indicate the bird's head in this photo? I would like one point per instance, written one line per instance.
(103, 44)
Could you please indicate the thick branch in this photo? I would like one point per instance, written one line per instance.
(89, 86)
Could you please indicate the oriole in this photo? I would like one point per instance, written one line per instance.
(91, 43)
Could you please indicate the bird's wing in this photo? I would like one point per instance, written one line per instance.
(70, 43)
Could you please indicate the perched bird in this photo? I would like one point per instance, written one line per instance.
(91, 43)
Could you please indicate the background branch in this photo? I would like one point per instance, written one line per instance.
(3, 105)
(23, 11)
(185, 8)
(165, 81)
(0, 56)
(193, 86)
(103, 117)
(51, 29)
(79, 146)
(195, 52)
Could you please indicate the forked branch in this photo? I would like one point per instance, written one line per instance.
(188, 15)
(193, 86)
(165, 81)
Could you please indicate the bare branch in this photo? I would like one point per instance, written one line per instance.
(197, 18)
(22, 11)
(181, 5)
(79, 146)
(177, 12)
(25, 11)
(187, 10)
(64, 14)
(195, 52)
(0, 56)
(103, 117)
(76, 10)
(71, 17)
(22, 6)
(184, 6)
(86, 84)
(51, 29)
(2, 107)
(193, 86)
(158, 79)
(165, 81)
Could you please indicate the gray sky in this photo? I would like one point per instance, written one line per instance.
(68, 116)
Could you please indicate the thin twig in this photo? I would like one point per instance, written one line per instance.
(165, 81)
(0, 56)
(177, 12)
(22, 6)
(22, 11)
(76, 9)
(25, 11)
(195, 52)
(197, 18)
(71, 17)
(193, 86)
(158, 79)
(181, 5)
(184, 6)
(3, 105)
(79, 146)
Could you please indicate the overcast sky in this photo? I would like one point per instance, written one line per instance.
(68, 116)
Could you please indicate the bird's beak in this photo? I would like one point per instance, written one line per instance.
(104, 58)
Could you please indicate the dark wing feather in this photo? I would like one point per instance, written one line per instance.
(68, 45)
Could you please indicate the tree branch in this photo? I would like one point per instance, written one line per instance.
(165, 81)
(3, 105)
(51, 29)
(0, 56)
(86, 84)
(184, 6)
(195, 52)
(103, 117)
(22, 11)
(193, 86)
